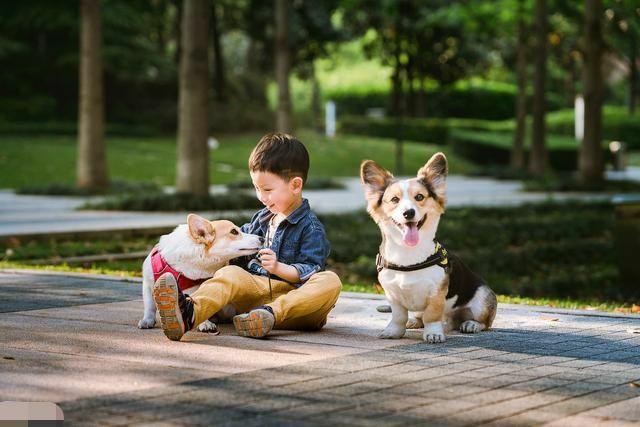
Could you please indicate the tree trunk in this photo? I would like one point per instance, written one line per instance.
(218, 57)
(398, 99)
(284, 122)
(517, 151)
(633, 72)
(538, 154)
(590, 162)
(91, 166)
(192, 175)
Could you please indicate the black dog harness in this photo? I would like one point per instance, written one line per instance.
(438, 258)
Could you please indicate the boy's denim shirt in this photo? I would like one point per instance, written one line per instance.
(299, 241)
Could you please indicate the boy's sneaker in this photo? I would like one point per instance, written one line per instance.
(176, 310)
(256, 324)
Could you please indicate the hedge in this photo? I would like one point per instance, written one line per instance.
(494, 148)
(617, 125)
(433, 131)
(537, 250)
(467, 102)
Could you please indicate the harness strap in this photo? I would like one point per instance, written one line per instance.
(438, 258)
(160, 266)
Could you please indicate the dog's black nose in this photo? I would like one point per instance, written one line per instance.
(409, 214)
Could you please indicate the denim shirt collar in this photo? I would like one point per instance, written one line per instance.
(295, 216)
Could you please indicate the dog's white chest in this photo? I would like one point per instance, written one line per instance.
(411, 289)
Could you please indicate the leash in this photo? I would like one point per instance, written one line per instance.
(267, 242)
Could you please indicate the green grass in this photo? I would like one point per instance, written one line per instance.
(132, 270)
(41, 160)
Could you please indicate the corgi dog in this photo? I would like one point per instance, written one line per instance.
(193, 252)
(417, 274)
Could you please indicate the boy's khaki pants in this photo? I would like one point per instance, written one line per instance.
(303, 308)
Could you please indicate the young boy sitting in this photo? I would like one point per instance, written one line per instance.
(285, 286)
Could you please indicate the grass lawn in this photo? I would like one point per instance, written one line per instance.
(40, 160)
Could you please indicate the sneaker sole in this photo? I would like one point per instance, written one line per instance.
(252, 325)
(165, 294)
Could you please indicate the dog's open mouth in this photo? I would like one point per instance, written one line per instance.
(409, 230)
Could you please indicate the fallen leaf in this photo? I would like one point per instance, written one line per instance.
(634, 385)
(549, 318)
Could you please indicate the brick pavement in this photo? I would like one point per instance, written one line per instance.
(73, 340)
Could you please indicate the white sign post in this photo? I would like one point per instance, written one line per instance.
(330, 119)
(579, 118)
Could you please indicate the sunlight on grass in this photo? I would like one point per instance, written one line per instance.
(356, 287)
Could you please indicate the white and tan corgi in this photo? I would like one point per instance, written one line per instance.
(193, 252)
(417, 274)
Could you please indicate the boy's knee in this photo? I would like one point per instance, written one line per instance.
(229, 270)
(331, 281)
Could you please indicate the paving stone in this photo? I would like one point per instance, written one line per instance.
(526, 371)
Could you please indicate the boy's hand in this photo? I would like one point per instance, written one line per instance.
(268, 259)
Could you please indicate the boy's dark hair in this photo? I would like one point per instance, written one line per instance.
(282, 155)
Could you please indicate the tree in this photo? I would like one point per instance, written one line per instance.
(192, 171)
(538, 154)
(517, 151)
(590, 162)
(284, 120)
(91, 166)
(624, 17)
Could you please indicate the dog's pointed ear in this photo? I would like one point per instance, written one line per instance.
(434, 174)
(375, 179)
(201, 230)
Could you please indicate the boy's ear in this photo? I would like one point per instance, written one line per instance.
(296, 183)
(201, 230)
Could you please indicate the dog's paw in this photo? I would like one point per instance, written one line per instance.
(209, 327)
(414, 323)
(471, 327)
(434, 338)
(392, 332)
(146, 323)
(433, 333)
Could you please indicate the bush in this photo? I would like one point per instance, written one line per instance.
(462, 101)
(420, 130)
(551, 249)
(179, 202)
(494, 148)
(617, 125)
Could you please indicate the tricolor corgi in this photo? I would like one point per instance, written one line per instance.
(418, 275)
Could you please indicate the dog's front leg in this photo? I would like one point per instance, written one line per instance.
(397, 326)
(148, 320)
(432, 319)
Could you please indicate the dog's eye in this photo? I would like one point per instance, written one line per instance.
(419, 197)
(235, 232)
(395, 199)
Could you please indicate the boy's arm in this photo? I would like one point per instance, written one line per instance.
(314, 250)
(311, 259)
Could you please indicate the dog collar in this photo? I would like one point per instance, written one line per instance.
(438, 258)
(160, 266)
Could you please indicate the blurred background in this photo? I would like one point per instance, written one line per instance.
(141, 98)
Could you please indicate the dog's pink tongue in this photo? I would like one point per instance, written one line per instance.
(411, 235)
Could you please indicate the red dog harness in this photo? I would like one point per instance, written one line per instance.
(160, 266)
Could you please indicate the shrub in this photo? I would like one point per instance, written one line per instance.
(491, 148)
(549, 249)
(461, 101)
(180, 202)
(617, 125)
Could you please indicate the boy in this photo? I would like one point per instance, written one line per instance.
(286, 286)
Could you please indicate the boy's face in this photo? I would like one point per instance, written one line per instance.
(278, 195)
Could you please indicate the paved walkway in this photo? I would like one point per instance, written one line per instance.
(21, 215)
(73, 340)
